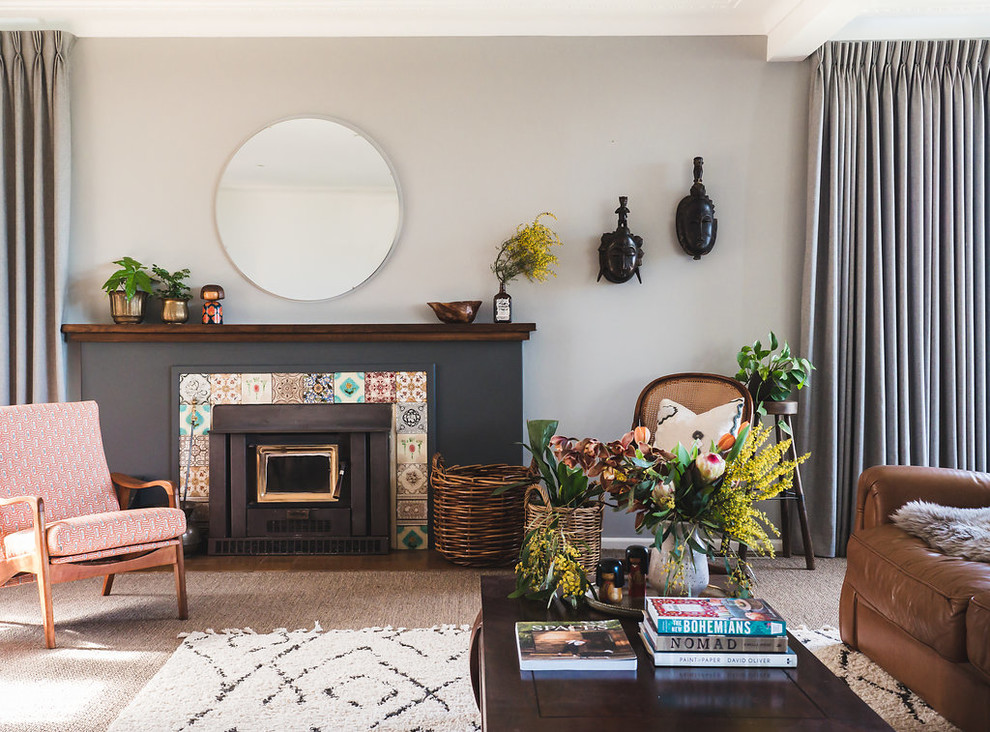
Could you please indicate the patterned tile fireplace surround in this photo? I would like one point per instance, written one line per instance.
(406, 391)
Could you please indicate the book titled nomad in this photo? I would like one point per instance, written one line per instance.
(587, 645)
(714, 616)
(787, 659)
(715, 643)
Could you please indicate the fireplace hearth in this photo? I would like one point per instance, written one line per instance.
(300, 479)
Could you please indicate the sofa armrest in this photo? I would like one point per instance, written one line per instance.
(125, 484)
(883, 489)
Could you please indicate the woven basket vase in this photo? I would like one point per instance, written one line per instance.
(471, 527)
(581, 526)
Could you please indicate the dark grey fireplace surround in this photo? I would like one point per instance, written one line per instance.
(476, 410)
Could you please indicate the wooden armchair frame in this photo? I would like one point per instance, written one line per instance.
(47, 574)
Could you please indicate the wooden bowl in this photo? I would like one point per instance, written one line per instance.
(461, 311)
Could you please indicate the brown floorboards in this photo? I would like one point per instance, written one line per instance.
(398, 561)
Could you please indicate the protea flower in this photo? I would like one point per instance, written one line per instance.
(710, 466)
(661, 491)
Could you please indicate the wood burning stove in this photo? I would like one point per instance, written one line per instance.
(300, 479)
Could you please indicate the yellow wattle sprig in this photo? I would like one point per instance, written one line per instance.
(528, 252)
(758, 472)
(548, 563)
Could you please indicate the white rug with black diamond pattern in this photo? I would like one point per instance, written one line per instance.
(370, 679)
(389, 679)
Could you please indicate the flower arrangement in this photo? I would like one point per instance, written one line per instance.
(527, 253)
(567, 483)
(548, 562)
(701, 499)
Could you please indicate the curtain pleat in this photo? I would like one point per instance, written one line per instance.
(895, 282)
(34, 223)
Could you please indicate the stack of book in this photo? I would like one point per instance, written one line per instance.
(715, 631)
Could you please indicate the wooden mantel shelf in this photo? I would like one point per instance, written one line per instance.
(297, 333)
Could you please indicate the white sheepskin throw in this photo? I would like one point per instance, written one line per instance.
(958, 532)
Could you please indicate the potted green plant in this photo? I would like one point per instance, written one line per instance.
(174, 292)
(771, 375)
(128, 288)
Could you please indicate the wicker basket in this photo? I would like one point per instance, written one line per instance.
(581, 526)
(471, 526)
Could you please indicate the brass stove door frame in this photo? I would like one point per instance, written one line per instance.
(330, 451)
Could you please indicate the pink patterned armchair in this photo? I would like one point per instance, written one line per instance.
(60, 507)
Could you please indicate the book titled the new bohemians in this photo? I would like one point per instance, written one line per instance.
(714, 616)
(714, 643)
(589, 645)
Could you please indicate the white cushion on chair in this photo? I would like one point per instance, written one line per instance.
(98, 532)
(678, 424)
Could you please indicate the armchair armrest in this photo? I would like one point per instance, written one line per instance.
(124, 484)
(36, 504)
(883, 489)
(33, 500)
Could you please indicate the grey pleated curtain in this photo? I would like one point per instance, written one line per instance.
(895, 288)
(34, 220)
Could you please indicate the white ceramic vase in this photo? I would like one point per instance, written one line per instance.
(663, 577)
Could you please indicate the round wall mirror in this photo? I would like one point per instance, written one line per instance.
(308, 209)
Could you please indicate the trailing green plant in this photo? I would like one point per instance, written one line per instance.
(771, 375)
(172, 284)
(132, 277)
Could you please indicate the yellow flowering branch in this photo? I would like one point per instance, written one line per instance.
(528, 252)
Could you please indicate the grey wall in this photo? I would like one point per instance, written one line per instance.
(484, 134)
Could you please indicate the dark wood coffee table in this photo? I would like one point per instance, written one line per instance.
(805, 698)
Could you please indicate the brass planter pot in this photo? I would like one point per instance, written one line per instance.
(127, 312)
(174, 311)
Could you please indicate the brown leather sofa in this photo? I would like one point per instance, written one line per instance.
(922, 615)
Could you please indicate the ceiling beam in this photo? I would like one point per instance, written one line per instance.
(810, 24)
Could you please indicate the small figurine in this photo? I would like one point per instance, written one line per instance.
(695, 220)
(637, 561)
(212, 309)
(620, 253)
(610, 580)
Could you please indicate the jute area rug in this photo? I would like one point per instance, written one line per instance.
(109, 648)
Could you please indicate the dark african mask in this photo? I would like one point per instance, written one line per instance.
(620, 253)
(695, 220)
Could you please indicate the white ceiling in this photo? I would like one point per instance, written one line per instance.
(793, 28)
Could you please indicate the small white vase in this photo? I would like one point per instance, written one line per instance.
(663, 578)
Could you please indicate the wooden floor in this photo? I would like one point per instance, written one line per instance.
(402, 561)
